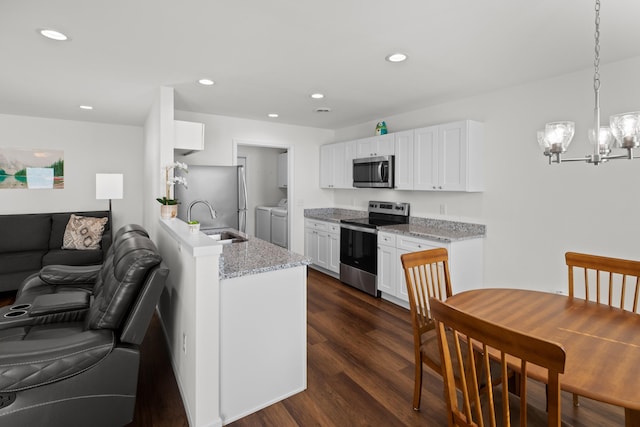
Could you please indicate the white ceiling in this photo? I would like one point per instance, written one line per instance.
(270, 55)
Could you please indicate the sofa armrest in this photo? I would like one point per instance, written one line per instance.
(70, 274)
(35, 359)
(58, 303)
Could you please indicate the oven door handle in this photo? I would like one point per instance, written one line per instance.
(356, 228)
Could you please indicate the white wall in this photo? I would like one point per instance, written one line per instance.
(534, 212)
(220, 133)
(89, 148)
(158, 153)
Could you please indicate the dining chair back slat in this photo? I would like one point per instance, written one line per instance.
(605, 280)
(495, 404)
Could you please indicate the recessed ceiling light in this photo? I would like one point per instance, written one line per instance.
(317, 95)
(206, 82)
(396, 57)
(53, 34)
(272, 115)
(323, 110)
(86, 107)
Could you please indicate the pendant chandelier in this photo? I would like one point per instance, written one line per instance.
(623, 130)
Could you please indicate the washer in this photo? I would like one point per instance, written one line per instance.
(263, 222)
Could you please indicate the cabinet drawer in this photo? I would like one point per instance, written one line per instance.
(316, 225)
(412, 244)
(334, 228)
(387, 239)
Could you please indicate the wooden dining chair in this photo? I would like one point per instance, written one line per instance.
(611, 281)
(427, 276)
(496, 405)
(604, 280)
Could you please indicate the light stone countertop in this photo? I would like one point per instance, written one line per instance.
(333, 214)
(256, 256)
(426, 228)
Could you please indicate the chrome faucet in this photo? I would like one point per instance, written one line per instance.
(195, 202)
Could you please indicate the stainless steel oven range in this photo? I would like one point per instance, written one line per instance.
(359, 244)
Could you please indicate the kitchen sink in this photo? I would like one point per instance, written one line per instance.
(225, 236)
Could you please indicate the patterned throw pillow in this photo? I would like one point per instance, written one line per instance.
(83, 232)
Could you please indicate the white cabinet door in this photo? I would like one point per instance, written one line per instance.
(387, 264)
(382, 145)
(425, 158)
(282, 170)
(452, 156)
(334, 252)
(333, 166)
(385, 145)
(188, 135)
(337, 159)
(400, 277)
(349, 155)
(323, 249)
(387, 269)
(404, 160)
(311, 244)
(326, 166)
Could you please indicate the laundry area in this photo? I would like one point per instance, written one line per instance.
(272, 223)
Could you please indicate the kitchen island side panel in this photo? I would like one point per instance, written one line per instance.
(263, 340)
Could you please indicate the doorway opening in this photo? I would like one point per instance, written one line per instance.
(268, 171)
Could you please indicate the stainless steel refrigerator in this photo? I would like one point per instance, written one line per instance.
(224, 187)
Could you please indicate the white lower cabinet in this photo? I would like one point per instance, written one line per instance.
(322, 244)
(465, 264)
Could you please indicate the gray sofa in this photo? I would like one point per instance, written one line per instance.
(30, 241)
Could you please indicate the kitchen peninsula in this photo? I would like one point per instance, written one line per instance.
(235, 320)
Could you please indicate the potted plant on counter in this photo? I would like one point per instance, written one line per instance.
(194, 226)
(169, 206)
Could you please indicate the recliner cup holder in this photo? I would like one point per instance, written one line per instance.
(20, 307)
(15, 313)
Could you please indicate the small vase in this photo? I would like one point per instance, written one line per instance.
(194, 228)
(168, 211)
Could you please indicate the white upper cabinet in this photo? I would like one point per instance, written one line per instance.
(403, 166)
(425, 158)
(336, 165)
(282, 170)
(382, 145)
(447, 157)
(188, 135)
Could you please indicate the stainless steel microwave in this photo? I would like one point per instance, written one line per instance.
(373, 172)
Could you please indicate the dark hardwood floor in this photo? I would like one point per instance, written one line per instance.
(360, 372)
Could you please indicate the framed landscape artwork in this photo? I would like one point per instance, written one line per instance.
(24, 168)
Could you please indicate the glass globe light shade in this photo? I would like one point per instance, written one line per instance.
(605, 139)
(558, 135)
(543, 143)
(626, 129)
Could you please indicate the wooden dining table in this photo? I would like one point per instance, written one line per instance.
(602, 343)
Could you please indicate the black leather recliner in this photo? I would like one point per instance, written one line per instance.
(53, 279)
(71, 358)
